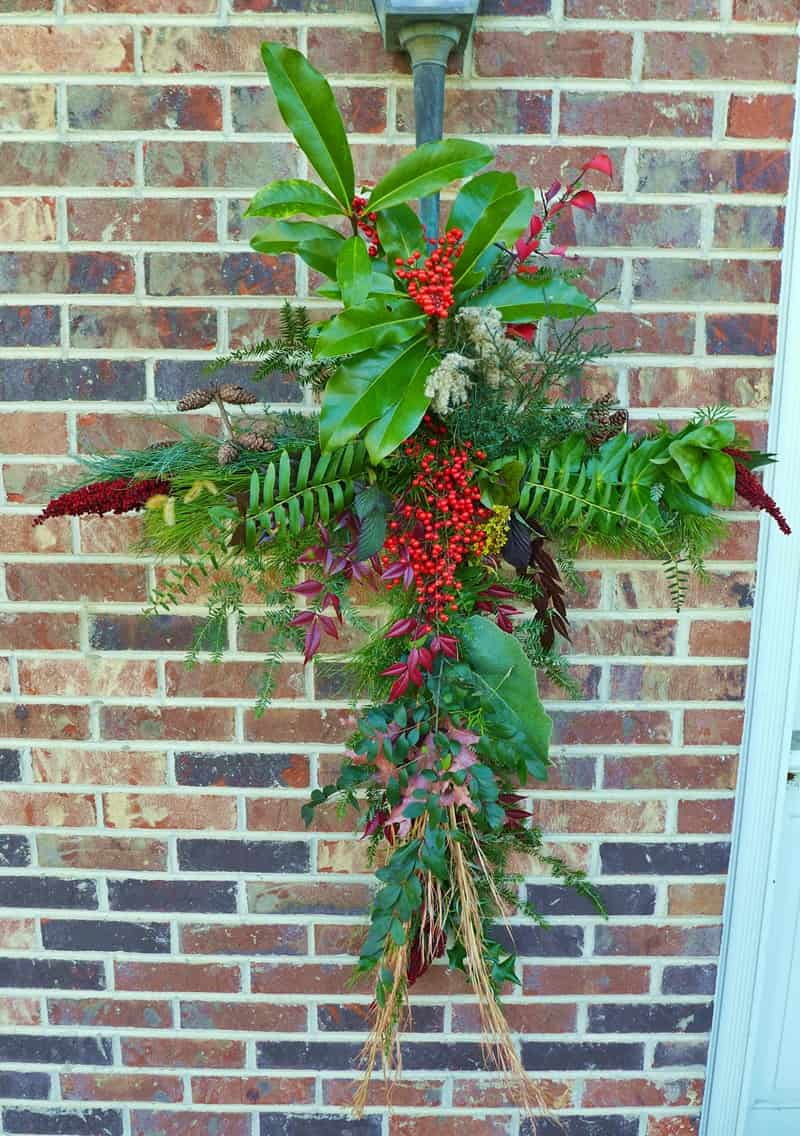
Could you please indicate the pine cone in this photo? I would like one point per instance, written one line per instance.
(236, 395)
(227, 453)
(254, 441)
(198, 398)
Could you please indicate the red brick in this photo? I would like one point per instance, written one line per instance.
(123, 583)
(499, 111)
(173, 723)
(143, 327)
(415, 1091)
(17, 534)
(363, 109)
(678, 684)
(687, 55)
(636, 114)
(748, 388)
(254, 1017)
(190, 1123)
(671, 771)
(354, 51)
(121, 1086)
(282, 814)
(140, 219)
(760, 116)
(450, 1126)
(34, 432)
(244, 939)
(18, 934)
(112, 853)
(230, 680)
(714, 815)
(46, 810)
(37, 720)
(623, 637)
(192, 49)
(67, 50)
(641, 1093)
(168, 810)
(668, 940)
(20, 1011)
(67, 163)
(542, 981)
(695, 899)
(750, 227)
(326, 726)
(83, 677)
(721, 171)
(27, 219)
(529, 1018)
(559, 815)
(115, 431)
(39, 630)
(649, 588)
(712, 727)
(98, 767)
(673, 1125)
(180, 977)
(218, 274)
(568, 54)
(109, 534)
(719, 637)
(140, 107)
(254, 1090)
(238, 165)
(306, 979)
(159, 7)
(138, 1013)
(183, 1053)
(770, 11)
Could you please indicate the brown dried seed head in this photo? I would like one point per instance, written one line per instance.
(238, 396)
(254, 441)
(227, 453)
(197, 399)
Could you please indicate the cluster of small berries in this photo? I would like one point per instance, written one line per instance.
(120, 496)
(750, 488)
(444, 525)
(366, 225)
(431, 286)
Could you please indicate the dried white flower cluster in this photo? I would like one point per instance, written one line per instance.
(496, 353)
(447, 386)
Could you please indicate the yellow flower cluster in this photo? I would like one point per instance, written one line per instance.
(496, 529)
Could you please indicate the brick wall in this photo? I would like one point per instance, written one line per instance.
(174, 945)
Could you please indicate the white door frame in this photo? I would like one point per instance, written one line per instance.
(773, 689)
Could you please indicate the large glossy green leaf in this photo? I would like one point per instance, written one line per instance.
(353, 271)
(475, 195)
(400, 232)
(502, 219)
(427, 170)
(295, 195)
(380, 322)
(512, 690)
(709, 473)
(521, 299)
(286, 236)
(365, 388)
(320, 255)
(401, 419)
(309, 109)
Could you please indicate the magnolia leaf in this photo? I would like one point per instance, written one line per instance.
(474, 197)
(309, 109)
(287, 236)
(501, 221)
(353, 271)
(321, 255)
(363, 389)
(427, 170)
(377, 323)
(528, 298)
(285, 198)
(708, 473)
(400, 232)
(401, 419)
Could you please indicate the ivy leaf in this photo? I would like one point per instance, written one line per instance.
(309, 109)
(400, 232)
(522, 299)
(353, 271)
(427, 170)
(372, 388)
(290, 196)
(379, 322)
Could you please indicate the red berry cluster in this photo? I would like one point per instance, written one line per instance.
(366, 224)
(431, 286)
(442, 523)
(120, 496)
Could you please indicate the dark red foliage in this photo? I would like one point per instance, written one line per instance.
(120, 496)
(750, 488)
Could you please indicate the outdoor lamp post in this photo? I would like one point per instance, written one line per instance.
(428, 30)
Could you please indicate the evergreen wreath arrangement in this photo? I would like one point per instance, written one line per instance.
(449, 470)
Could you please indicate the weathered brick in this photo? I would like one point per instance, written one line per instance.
(652, 1017)
(695, 899)
(254, 1017)
(718, 171)
(18, 934)
(121, 1086)
(109, 852)
(580, 54)
(162, 1123)
(144, 1013)
(333, 899)
(636, 114)
(700, 386)
(363, 109)
(110, 219)
(160, 7)
(67, 50)
(218, 274)
(703, 280)
(563, 1055)
(698, 55)
(46, 809)
(605, 727)
(31, 326)
(180, 977)
(500, 111)
(37, 720)
(24, 1086)
(327, 726)
(143, 327)
(712, 727)
(648, 226)
(99, 767)
(640, 1093)
(560, 815)
(623, 637)
(670, 771)
(678, 683)
(355, 51)
(744, 333)
(777, 11)
(168, 810)
(27, 219)
(105, 935)
(182, 1053)
(67, 163)
(46, 891)
(243, 855)
(244, 939)
(144, 108)
(95, 582)
(28, 107)
(248, 770)
(680, 1053)
(287, 1124)
(272, 814)
(98, 272)
(132, 633)
(673, 1125)
(652, 939)
(52, 1050)
(19, 1011)
(643, 9)
(173, 723)
(753, 227)
(230, 165)
(171, 895)
(408, 1092)
(88, 1122)
(210, 49)
(689, 980)
(760, 116)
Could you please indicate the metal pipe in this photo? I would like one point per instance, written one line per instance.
(429, 43)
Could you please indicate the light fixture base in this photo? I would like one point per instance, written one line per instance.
(394, 15)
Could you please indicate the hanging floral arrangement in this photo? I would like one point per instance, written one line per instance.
(449, 470)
